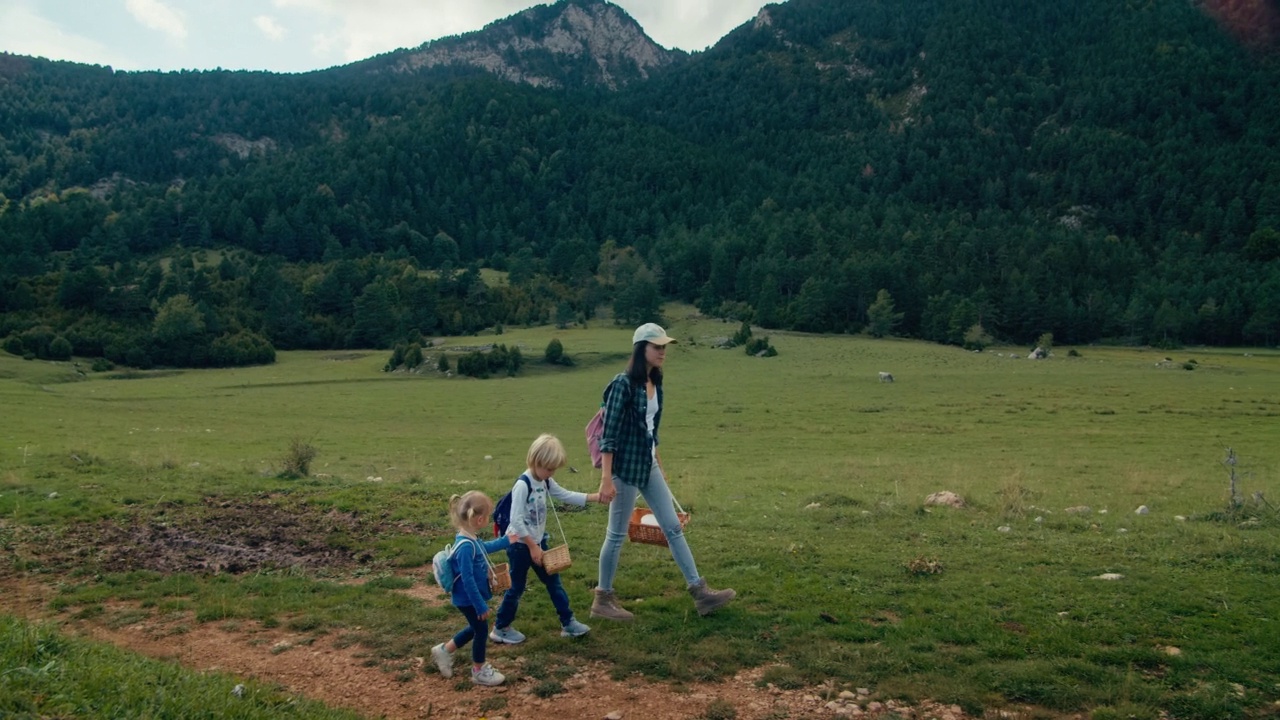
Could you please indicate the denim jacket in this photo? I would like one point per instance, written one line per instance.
(471, 588)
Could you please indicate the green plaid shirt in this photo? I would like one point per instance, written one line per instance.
(626, 434)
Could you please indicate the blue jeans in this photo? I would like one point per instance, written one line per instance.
(476, 629)
(521, 562)
(658, 496)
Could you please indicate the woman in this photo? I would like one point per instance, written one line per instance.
(631, 467)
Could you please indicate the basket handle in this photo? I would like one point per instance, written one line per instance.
(552, 503)
(679, 508)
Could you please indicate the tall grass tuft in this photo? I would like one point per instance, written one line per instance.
(297, 460)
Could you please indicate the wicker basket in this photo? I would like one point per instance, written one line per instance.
(499, 578)
(650, 534)
(556, 559)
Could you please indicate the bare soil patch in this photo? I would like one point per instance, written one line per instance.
(221, 535)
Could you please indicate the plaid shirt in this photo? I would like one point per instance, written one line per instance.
(626, 434)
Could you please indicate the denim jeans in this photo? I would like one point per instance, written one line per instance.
(658, 496)
(521, 562)
(477, 630)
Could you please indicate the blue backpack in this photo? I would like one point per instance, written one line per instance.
(443, 569)
(502, 511)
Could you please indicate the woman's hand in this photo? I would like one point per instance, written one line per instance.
(607, 489)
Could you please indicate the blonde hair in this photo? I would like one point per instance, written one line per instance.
(546, 452)
(464, 507)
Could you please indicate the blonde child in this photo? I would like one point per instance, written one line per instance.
(469, 513)
(529, 526)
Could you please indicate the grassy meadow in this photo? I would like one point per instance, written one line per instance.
(806, 478)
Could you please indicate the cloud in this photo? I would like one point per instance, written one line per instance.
(269, 27)
(25, 32)
(361, 30)
(158, 16)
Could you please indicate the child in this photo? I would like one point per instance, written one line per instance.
(470, 513)
(528, 525)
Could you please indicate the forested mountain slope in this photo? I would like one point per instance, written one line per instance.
(1098, 170)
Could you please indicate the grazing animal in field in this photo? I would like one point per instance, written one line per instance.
(886, 377)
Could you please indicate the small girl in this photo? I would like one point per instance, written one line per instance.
(529, 498)
(469, 513)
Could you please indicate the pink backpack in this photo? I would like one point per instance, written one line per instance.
(595, 429)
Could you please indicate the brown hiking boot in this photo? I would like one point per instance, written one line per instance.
(707, 600)
(606, 606)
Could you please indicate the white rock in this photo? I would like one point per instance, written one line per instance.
(1003, 528)
(1039, 519)
(813, 506)
(1180, 518)
(488, 457)
(945, 497)
(1109, 576)
(615, 715)
(1142, 510)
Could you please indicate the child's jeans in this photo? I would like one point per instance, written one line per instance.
(477, 630)
(521, 562)
(658, 496)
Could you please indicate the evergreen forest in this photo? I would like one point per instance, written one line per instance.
(960, 171)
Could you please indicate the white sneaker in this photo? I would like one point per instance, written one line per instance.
(573, 628)
(487, 676)
(507, 635)
(443, 660)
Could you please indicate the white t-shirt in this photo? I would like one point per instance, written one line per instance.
(651, 412)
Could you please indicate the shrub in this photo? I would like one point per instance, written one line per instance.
(59, 349)
(555, 354)
(442, 365)
(13, 345)
(102, 365)
(413, 356)
(478, 364)
(760, 346)
(242, 348)
(297, 460)
(396, 359)
(977, 338)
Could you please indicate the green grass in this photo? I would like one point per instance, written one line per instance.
(806, 479)
(44, 674)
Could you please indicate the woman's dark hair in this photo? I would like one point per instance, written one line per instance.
(635, 367)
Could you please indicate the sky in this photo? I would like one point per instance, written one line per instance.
(300, 35)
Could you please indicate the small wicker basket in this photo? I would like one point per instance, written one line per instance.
(650, 534)
(499, 578)
(556, 559)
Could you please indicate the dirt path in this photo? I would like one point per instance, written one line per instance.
(337, 677)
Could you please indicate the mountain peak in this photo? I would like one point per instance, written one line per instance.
(569, 43)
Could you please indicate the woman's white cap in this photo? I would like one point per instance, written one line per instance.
(651, 333)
